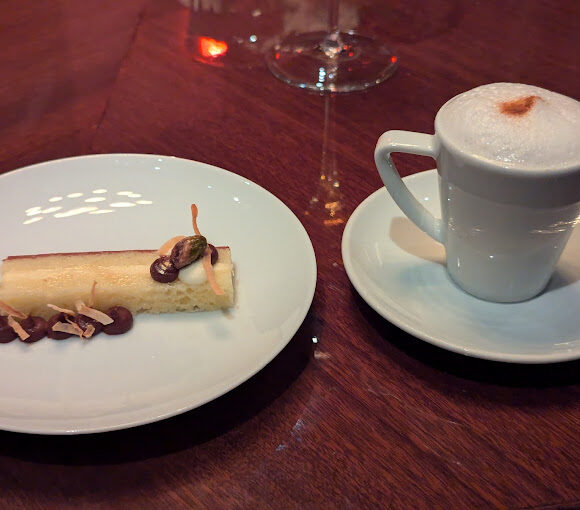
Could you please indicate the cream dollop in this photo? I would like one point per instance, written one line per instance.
(194, 274)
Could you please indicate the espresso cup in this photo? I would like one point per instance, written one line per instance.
(508, 161)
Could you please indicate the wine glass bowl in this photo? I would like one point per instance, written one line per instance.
(332, 60)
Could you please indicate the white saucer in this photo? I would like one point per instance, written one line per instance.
(400, 272)
(167, 363)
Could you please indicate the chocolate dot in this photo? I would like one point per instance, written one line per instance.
(83, 322)
(58, 335)
(122, 320)
(163, 271)
(214, 254)
(36, 327)
(7, 334)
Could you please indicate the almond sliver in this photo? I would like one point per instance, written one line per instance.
(97, 315)
(8, 310)
(18, 329)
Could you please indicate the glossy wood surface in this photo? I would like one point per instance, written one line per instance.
(365, 416)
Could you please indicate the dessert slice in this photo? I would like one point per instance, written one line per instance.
(28, 283)
(185, 274)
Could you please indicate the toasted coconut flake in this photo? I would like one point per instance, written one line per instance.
(194, 219)
(66, 327)
(168, 245)
(8, 310)
(92, 296)
(77, 330)
(59, 309)
(18, 329)
(93, 313)
(210, 273)
(88, 333)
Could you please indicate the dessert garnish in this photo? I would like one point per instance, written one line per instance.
(85, 323)
(163, 271)
(182, 251)
(187, 251)
(122, 321)
(8, 310)
(518, 107)
(61, 326)
(35, 328)
(7, 333)
(18, 329)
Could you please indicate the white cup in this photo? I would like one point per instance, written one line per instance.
(504, 227)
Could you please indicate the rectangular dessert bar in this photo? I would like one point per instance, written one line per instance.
(28, 283)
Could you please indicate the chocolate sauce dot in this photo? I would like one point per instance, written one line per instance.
(214, 254)
(163, 271)
(36, 327)
(58, 335)
(83, 322)
(7, 334)
(122, 320)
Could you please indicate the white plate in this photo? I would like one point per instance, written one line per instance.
(166, 364)
(400, 272)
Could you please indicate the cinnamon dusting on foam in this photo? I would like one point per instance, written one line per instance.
(518, 107)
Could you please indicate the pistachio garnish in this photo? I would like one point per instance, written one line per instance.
(187, 251)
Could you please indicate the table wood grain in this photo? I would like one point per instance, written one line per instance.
(364, 416)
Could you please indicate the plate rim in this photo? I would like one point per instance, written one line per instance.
(223, 388)
(389, 314)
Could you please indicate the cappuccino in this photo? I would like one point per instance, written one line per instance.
(508, 159)
(517, 126)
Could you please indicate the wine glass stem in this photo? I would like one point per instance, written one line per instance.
(332, 43)
(333, 16)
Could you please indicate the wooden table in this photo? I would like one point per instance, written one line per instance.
(368, 416)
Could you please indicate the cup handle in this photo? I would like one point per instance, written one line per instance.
(410, 143)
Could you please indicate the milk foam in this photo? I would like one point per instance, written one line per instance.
(518, 125)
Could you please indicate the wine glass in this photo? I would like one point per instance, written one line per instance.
(331, 61)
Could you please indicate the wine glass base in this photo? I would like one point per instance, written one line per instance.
(307, 61)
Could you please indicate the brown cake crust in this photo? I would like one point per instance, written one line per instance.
(37, 255)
